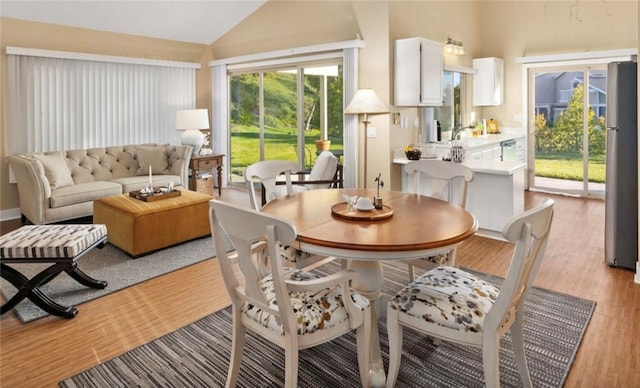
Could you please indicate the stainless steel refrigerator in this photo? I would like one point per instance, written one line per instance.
(621, 194)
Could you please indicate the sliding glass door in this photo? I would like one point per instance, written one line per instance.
(568, 107)
(280, 113)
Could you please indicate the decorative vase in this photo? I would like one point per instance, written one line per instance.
(323, 145)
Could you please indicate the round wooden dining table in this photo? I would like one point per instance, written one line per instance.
(409, 226)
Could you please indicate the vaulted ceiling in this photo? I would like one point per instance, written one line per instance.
(191, 21)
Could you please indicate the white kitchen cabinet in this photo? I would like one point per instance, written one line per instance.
(418, 72)
(488, 80)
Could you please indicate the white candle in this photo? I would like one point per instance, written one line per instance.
(150, 181)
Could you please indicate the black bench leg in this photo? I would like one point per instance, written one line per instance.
(84, 279)
(29, 289)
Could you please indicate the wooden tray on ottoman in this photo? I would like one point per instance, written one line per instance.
(154, 197)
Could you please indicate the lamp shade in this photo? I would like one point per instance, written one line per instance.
(191, 121)
(366, 101)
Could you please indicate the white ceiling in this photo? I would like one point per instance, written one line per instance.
(192, 21)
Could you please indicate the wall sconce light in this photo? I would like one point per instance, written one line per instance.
(454, 47)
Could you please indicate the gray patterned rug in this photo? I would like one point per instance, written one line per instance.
(198, 355)
(110, 264)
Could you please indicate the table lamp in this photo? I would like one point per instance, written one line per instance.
(191, 121)
(366, 102)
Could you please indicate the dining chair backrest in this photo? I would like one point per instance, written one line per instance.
(244, 228)
(530, 233)
(445, 180)
(267, 172)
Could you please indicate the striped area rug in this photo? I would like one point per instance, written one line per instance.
(198, 355)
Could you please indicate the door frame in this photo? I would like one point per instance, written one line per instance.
(593, 58)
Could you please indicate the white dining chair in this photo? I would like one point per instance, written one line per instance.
(263, 175)
(291, 308)
(442, 180)
(450, 304)
(268, 173)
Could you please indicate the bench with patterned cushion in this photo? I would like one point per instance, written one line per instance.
(60, 245)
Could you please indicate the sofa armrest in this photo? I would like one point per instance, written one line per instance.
(179, 158)
(33, 187)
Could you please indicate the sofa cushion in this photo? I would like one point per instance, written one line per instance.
(83, 192)
(56, 170)
(154, 157)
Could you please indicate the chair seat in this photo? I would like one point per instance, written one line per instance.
(294, 255)
(440, 258)
(314, 311)
(448, 297)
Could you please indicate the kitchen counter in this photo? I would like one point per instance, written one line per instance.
(484, 147)
(482, 166)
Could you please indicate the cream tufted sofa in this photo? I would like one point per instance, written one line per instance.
(62, 185)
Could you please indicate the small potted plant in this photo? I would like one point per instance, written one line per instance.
(412, 153)
(323, 144)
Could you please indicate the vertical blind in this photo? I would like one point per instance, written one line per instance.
(68, 103)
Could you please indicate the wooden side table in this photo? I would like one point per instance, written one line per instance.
(205, 163)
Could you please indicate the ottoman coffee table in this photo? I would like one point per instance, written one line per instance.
(139, 228)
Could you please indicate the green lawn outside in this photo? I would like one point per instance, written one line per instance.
(280, 143)
(569, 166)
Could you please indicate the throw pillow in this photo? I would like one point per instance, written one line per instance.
(156, 157)
(56, 170)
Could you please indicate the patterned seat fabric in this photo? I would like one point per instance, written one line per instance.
(430, 297)
(293, 255)
(314, 311)
(50, 241)
(440, 258)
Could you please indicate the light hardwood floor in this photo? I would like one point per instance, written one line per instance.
(43, 352)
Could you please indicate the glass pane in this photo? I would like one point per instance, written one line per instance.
(597, 130)
(450, 113)
(280, 115)
(244, 123)
(323, 112)
(558, 122)
(569, 141)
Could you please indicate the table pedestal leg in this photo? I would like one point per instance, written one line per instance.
(369, 285)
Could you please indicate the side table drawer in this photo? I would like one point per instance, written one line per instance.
(204, 164)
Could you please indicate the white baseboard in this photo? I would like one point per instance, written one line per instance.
(636, 279)
(9, 214)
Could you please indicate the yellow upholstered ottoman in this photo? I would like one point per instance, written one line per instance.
(139, 227)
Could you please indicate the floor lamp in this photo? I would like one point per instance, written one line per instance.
(366, 102)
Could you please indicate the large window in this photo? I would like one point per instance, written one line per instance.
(281, 113)
(570, 137)
(306, 60)
(58, 101)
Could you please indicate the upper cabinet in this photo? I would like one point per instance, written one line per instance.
(488, 81)
(418, 71)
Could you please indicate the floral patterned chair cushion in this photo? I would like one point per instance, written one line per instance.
(439, 259)
(314, 311)
(448, 297)
(293, 255)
